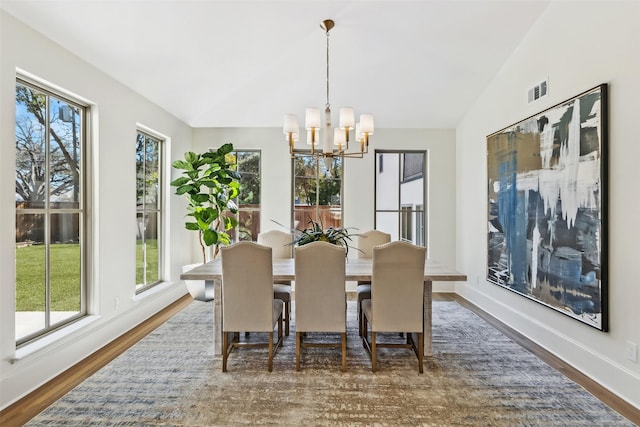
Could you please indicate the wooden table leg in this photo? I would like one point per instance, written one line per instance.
(428, 310)
(217, 317)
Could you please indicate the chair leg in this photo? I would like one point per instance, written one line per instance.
(344, 352)
(365, 332)
(298, 339)
(420, 351)
(225, 340)
(359, 318)
(287, 314)
(270, 351)
(373, 352)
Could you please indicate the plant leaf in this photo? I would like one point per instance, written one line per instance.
(210, 237)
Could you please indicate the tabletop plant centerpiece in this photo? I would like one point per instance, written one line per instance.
(210, 183)
(315, 232)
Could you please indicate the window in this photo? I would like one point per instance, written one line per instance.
(412, 166)
(50, 211)
(248, 201)
(406, 223)
(317, 188)
(148, 211)
(400, 194)
(420, 231)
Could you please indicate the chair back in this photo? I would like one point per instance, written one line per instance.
(320, 287)
(397, 287)
(369, 239)
(278, 241)
(247, 287)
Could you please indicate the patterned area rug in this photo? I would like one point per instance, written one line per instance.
(477, 376)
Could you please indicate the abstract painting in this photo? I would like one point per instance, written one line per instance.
(547, 207)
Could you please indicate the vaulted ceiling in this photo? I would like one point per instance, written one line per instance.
(413, 64)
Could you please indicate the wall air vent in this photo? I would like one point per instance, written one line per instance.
(538, 91)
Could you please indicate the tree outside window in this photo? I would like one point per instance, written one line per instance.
(50, 214)
(248, 165)
(317, 191)
(148, 211)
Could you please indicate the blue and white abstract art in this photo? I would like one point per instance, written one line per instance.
(547, 207)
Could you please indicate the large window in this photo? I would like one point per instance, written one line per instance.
(248, 201)
(50, 211)
(148, 211)
(400, 195)
(317, 191)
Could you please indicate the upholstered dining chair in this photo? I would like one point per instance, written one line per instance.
(280, 243)
(247, 298)
(366, 242)
(321, 303)
(397, 298)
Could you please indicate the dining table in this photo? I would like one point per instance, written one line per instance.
(357, 269)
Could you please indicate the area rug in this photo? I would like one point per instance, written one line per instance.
(476, 377)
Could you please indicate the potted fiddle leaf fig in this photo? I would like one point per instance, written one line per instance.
(210, 183)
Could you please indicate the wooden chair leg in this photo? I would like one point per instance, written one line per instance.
(420, 351)
(373, 352)
(225, 340)
(270, 351)
(344, 352)
(298, 339)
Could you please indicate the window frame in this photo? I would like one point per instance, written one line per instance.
(302, 224)
(236, 230)
(84, 221)
(159, 210)
(417, 211)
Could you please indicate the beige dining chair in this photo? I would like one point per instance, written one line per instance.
(397, 298)
(321, 303)
(247, 298)
(366, 242)
(280, 243)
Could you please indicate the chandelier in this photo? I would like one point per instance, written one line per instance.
(335, 142)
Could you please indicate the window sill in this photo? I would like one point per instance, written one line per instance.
(154, 290)
(53, 338)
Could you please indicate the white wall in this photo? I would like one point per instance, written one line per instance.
(578, 45)
(358, 179)
(113, 207)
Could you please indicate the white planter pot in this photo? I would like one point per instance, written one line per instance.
(199, 289)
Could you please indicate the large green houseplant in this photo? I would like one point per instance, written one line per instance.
(210, 183)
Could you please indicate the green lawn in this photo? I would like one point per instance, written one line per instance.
(152, 262)
(65, 275)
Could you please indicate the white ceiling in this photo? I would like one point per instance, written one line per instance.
(413, 64)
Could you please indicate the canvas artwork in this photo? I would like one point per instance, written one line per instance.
(547, 207)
